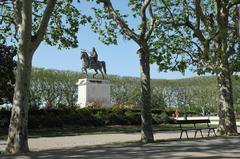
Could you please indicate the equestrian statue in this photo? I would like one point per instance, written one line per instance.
(91, 62)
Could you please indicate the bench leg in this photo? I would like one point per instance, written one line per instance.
(182, 133)
(195, 134)
(210, 131)
(214, 132)
(187, 134)
(201, 133)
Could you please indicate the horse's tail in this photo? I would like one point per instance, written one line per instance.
(104, 67)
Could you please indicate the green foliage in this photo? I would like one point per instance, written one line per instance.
(107, 29)
(126, 91)
(162, 118)
(6, 23)
(185, 39)
(7, 77)
(56, 118)
(4, 118)
(135, 7)
(53, 89)
(63, 25)
(194, 94)
(56, 89)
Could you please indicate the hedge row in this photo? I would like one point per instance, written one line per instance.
(55, 118)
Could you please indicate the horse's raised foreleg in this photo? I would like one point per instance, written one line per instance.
(95, 73)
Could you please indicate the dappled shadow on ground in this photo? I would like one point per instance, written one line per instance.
(219, 148)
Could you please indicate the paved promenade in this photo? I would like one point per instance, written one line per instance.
(108, 146)
(207, 148)
(46, 143)
(114, 146)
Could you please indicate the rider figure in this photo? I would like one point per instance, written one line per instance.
(94, 57)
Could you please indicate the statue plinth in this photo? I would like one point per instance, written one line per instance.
(93, 92)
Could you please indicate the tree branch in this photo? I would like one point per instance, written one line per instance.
(201, 16)
(206, 19)
(38, 37)
(238, 22)
(197, 32)
(17, 6)
(152, 22)
(231, 4)
(114, 16)
(234, 34)
(198, 11)
(145, 4)
(169, 10)
(196, 29)
(36, 15)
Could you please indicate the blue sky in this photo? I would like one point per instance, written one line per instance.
(120, 60)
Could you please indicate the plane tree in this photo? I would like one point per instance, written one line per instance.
(110, 23)
(26, 23)
(202, 35)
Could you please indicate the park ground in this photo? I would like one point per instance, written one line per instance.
(126, 146)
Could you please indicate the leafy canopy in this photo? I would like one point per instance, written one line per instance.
(62, 29)
(188, 33)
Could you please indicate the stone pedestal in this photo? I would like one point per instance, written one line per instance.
(93, 91)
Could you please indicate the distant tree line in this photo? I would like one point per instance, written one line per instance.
(52, 89)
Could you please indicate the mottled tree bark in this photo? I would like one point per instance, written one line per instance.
(18, 136)
(227, 122)
(146, 117)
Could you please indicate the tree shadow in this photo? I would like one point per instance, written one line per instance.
(218, 147)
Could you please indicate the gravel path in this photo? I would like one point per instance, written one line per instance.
(47, 143)
(206, 148)
(100, 147)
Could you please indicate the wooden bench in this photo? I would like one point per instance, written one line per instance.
(182, 124)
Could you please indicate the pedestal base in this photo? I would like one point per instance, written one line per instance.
(93, 92)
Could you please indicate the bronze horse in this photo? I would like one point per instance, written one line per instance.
(89, 63)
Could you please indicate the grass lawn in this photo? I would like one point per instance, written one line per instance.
(74, 131)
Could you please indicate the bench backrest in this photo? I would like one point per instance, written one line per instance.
(192, 121)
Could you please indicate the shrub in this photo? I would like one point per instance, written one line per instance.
(4, 118)
(57, 118)
(163, 118)
(133, 118)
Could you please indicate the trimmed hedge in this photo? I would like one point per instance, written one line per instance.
(57, 118)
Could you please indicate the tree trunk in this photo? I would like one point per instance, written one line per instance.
(18, 135)
(227, 123)
(146, 117)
